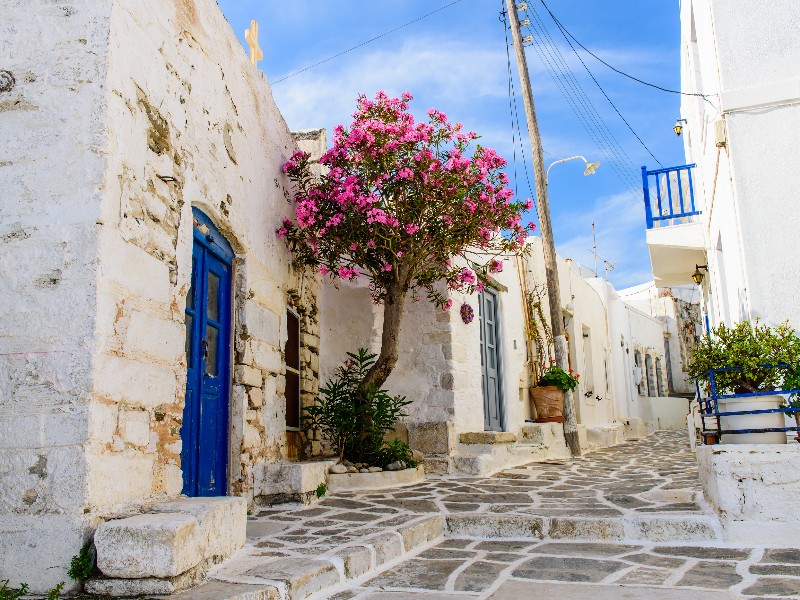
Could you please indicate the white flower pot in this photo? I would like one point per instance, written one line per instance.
(762, 421)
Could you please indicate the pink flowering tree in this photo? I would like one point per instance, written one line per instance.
(407, 205)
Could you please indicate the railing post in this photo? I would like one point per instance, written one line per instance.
(648, 210)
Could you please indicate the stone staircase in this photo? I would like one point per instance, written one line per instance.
(483, 453)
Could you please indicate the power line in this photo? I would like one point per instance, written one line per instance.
(514, 114)
(597, 83)
(377, 37)
(581, 105)
(623, 73)
(606, 140)
(605, 133)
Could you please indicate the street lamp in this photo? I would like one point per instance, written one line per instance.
(698, 275)
(591, 167)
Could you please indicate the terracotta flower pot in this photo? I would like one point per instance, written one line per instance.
(549, 404)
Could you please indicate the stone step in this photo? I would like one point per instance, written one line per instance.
(296, 575)
(658, 528)
(220, 590)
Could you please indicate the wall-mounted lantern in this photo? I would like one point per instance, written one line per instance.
(698, 274)
(678, 129)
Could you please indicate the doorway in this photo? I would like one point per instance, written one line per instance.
(491, 365)
(204, 434)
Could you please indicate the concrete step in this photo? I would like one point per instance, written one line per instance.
(296, 575)
(657, 528)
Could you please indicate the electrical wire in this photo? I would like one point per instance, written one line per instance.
(606, 140)
(377, 37)
(605, 133)
(581, 107)
(597, 83)
(516, 130)
(623, 73)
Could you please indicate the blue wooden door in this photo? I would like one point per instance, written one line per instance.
(204, 434)
(490, 362)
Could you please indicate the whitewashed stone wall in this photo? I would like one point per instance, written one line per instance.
(755, 489)
(121, 117)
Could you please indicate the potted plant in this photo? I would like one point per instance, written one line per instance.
(759, 359)
(548, 395)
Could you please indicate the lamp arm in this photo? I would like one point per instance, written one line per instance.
(562, 160)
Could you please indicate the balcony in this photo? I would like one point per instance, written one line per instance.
(674, 232)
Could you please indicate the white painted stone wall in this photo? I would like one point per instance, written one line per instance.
(93, 339)
(755, 489)
(51, 165)
(747, 187)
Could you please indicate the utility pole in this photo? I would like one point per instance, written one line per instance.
(551, 268)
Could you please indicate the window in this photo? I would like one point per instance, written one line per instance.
(640, 372)
(292, 357)
(650, 376)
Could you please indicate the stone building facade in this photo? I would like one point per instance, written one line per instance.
(137, 139)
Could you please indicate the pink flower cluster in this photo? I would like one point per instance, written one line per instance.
(400, 198)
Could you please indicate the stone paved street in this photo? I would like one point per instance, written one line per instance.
(628, 516)
(469, 568)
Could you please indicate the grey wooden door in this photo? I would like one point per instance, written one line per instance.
(490, 362)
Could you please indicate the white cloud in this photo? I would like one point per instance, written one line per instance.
(450, 73)
(620, 232)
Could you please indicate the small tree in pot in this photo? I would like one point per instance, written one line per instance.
(548, 395)
(760, 359)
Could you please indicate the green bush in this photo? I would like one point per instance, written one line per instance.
(396, 450)
(322, 489)
(560, 378)
(747, 347)
(55, 593)
(8, 593)
(82, 564)
(355, 420)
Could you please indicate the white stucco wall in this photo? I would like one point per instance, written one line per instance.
(747, 186)
(93, 341)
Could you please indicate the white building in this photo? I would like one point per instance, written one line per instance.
(742, 136)
(140, 162)
(731, 220)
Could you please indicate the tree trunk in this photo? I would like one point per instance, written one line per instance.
(392, 318)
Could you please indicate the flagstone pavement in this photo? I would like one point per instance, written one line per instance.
(626, 522)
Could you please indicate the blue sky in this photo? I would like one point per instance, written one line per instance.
(456, 61)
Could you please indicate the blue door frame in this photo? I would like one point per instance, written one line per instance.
(204, 434)
(491, 364)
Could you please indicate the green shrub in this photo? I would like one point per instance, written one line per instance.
(747, 347)
(8, 593)
(322, 489)
(356, 421)
(393, 451)
(82, 564)
(55, 593)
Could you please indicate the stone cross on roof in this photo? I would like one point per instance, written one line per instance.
(251, 35)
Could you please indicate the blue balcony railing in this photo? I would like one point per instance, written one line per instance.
(669, 196)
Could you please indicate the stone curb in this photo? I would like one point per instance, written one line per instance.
(658, 529)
